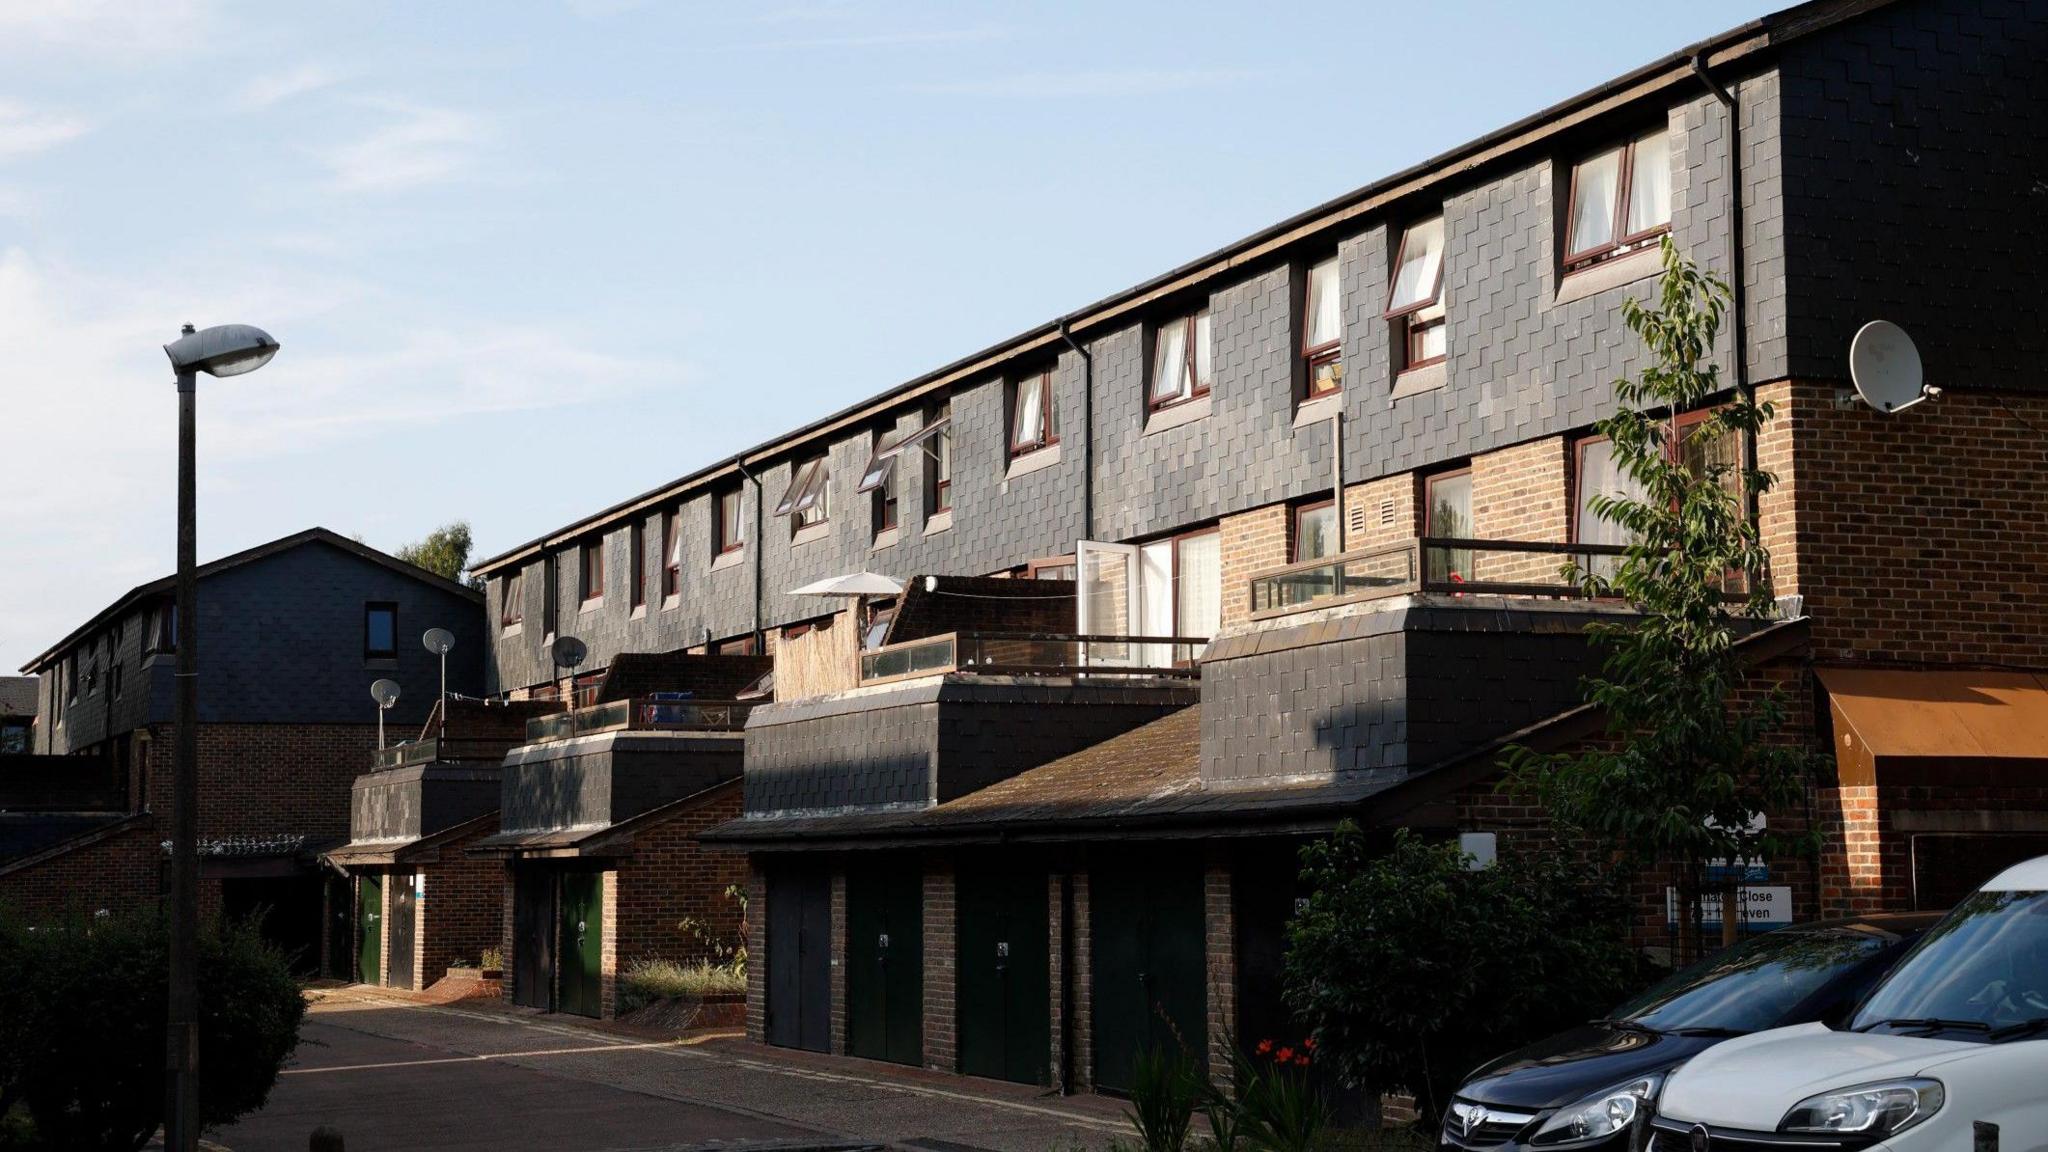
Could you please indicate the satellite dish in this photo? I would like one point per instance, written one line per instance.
(384, 692)
(569, 652)
(439, 641)
(1886, 368)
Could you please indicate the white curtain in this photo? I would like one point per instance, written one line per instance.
(1205, 353)
(1594, 184)
(1649, 184)
(1026, 427)
(1170, 362)
(1600, 474)
(1325, 309)
(1422, 258)
(1201, 585)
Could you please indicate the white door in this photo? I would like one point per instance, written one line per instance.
(1108, 596)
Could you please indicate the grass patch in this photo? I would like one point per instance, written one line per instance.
(650, 980)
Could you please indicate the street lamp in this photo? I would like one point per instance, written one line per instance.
(225, 350)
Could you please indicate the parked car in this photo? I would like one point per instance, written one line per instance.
(1592, 1087)
(1946, 1053)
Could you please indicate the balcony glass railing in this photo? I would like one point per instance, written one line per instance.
(433, 750)
(656, 713)
(1034, 654)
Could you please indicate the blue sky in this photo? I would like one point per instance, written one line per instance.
(529, 259)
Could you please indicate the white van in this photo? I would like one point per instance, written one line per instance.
(1948, 1053)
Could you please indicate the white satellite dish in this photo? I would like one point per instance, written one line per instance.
(1886, 368)
(384, 692)
(439, 641)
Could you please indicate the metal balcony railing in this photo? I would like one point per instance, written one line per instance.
(1034, 654)
(655, 713)
(434, 750)
(1449, 565)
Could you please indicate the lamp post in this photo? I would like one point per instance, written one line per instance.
(224, 350)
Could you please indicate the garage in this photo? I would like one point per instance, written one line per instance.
(370, 928)
(402, 927)
(1148, 967)
(580, 944)
(885, 961)
(1003, 971)
(798, 1013)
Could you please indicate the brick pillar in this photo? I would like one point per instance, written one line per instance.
(1852, 879)
(326, 927)
(1081, 1035)
(608, 947)
(419, 929)
(941, 1048)
(505, 940)
(1055, 939)
(757, 953)
(839, 961)
(1220, 933)
(384, 932)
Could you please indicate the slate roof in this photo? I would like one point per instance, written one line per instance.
(597, 840)
(18, 695)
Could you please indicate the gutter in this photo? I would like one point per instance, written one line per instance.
(1737, 298)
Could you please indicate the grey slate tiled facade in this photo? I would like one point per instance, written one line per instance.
(593, 781)
(399, 804)
(280, 642)
(931, 740)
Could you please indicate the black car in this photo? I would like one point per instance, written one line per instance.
(1593, 1087)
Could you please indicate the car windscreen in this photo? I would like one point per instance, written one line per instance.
(1986, 964)
(1753, 985)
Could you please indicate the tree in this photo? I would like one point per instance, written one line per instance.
(445, 551)
(1690, 758)
(1411, 967)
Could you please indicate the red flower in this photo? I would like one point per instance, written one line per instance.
(1285, 1055)
(1309, 1043)
(1302, 1060)
(1265, 1046)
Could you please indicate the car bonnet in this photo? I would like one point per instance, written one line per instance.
(1752, 1081)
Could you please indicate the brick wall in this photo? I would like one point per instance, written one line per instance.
(837, 977)
(1251, 543)
(1220, 931)
(1082, 1033)
(668, 897)
(757, 954)
(609, 917)
(120, 872)
(941, 1048)
(1381, 512)
(1056, 972)
(266, 779)
(1519, 493)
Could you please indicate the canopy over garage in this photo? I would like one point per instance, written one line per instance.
(1908, 726)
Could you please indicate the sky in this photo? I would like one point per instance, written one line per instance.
(527, 259)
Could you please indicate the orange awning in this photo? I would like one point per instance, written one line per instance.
(1938, 727)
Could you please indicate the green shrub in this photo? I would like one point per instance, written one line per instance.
(656, 979)
(491, 960)
(82, 1007)
(1412, 969)
(1165, 1088)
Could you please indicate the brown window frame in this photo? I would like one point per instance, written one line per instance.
(736, 646)
(1620, 244)
(1404, 317)
(637, 564)
(1048, 427)
(1429, 482)
(728, 534)
(1294, 555)
(809, 479)
(1315, 356)
(1197, 387)
(1035, 569)
(371, 608)
(671, 555)
(939, 489)
(511, 599)
(590, 570)
(1674, 452)
(885, 511)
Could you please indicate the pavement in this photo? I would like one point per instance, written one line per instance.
(393, 1072)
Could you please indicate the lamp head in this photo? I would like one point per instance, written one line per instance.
(222, 350)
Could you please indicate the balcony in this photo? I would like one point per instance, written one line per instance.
(439, 750)
(1033, 655)
(659, 712)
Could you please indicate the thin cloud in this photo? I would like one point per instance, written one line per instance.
(23, 132)
(873, 40)
(1066, 85)
(112, 29)
(418, 146)
(264, 91)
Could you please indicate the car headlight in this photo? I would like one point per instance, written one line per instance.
(1866, 1109)
(1599, 1115)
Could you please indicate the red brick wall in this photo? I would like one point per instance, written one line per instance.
(1380, 512)
(940, 1047)
(836, 978)
(1915, 536)
(1055, 923)
(267, 779)
(1084, 1019)
(669, 879)
(120, 872)
(463, 911)
(1220, 928)
(1251, 543)
(1520, 493)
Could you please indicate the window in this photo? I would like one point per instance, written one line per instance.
(636, 595)
(92, 676)
(808, 500)
(590, 569)
(1050, 568)
(1322, 337)
(743, 646)
(512, 598)
(1447, 515)
(160, 631)
(1315, 531)
(1415, 301)
(879, 478)
(1183, 360)
(551, 592)
(114, 671)
(728, 530)
(1621, 200)
(1599, 473)
(380, 631)
(71, 678)
(938, 469)
(1033, 424)
(671, 555)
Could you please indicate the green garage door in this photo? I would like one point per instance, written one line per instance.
(1005, 975)
(582, 942)
(885, 962)
(369, 927)
(1149, 972)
